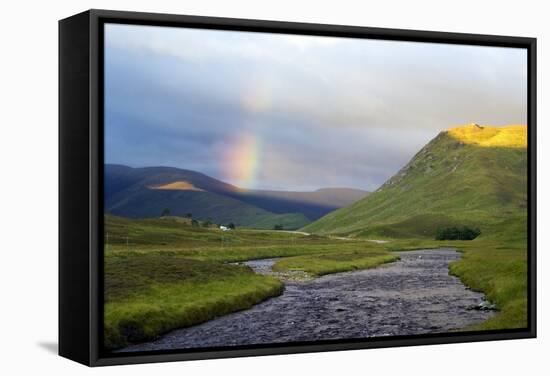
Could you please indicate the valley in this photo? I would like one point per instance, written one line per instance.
(180, 269)
(147, 192)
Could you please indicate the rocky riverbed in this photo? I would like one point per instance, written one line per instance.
(415, 295)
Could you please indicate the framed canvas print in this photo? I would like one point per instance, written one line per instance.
(235, 187)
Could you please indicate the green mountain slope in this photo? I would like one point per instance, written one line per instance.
(123, 184)
(148, 203)
(470, 175)
(146, 192)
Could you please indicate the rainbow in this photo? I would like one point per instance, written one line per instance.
(240, 161)
(240, 158)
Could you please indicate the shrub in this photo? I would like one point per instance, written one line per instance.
(457, 233)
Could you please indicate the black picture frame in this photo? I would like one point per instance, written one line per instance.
(81, 183)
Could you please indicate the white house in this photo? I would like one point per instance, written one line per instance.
(224, 228)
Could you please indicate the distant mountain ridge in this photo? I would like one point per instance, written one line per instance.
(145, 192)
(471, 175)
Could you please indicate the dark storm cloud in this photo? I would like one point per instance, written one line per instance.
(320, 111)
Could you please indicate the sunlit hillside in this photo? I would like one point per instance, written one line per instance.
(470, 175)
(178, 186)
(513, 136)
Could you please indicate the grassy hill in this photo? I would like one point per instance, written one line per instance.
(470, 175)
(474, 176)
(313, 204)
(146, 192)
(149, 203)
(165, 273)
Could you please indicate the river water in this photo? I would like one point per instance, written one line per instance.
(415, 295)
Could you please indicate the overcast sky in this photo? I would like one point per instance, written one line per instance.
(290, 112)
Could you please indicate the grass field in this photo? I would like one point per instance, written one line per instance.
(493, 264)
(500, 271)
(149, 295)
(473, 176)
(320, 264)
(164, 273)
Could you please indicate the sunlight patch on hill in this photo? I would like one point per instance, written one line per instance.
(178, 186)
(514, 136)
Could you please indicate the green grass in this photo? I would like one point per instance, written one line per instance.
(172, 237)
(448, 183)
(456, 181)
(501, 273)
(320, 264)
(162, 274)
(149, 203)
(289, 221)
(173, 232)
(172, 275)
(494, 265)
(148, 295)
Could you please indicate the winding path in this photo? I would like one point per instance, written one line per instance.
(415, 295)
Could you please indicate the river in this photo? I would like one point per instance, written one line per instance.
(415, 295)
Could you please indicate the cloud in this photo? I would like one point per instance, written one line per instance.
(327, 111)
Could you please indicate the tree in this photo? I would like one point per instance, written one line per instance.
(278, 227)
(207, 223)
(231, 225)
(165, 212)
(194, 223)
(189, 215)
(457, 233)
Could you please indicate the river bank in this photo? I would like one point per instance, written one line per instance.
(415, 295)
